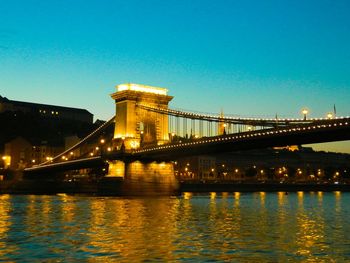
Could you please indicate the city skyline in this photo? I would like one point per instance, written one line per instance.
(244, 58)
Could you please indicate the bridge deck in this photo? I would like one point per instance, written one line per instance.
(325, 131)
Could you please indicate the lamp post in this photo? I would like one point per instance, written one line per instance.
(304, 112)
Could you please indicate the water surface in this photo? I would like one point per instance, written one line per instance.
(242, 227)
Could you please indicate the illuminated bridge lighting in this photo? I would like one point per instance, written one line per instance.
(246, 135)
(141, 88)
(260, 128)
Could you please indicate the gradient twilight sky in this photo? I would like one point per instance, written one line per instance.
(247, 57)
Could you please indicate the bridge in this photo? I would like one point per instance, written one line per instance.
(145, 136)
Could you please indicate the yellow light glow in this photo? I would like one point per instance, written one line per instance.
(305, 111)
(142, 88)
(134, 144)
(7, 160)
(187, 195)
(337, 193)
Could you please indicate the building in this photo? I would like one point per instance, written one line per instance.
(196, 167)
(17, 153)
(20, 153)
(49, 111)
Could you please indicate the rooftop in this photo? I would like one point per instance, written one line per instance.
(39, 105)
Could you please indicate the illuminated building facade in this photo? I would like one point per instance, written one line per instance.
(20, 153)
(135, 127)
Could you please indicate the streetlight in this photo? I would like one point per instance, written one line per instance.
(329, 115)
(304, 112)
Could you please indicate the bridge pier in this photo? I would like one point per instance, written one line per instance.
(144, 178)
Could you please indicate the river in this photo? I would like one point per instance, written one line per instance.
(222, 227)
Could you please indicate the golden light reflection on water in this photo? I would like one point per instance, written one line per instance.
(300, 198)
(267, 227)
(149, 224)
(282, 224)
(4, 224)
(225, 195)
(187, 195)
(237, 195)
(281, 198)
(320, 198)
(262, 198)
(337, 194)
(310, 235)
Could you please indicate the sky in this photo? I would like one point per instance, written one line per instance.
(251, 58)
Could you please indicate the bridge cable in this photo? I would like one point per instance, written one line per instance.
(99, 129)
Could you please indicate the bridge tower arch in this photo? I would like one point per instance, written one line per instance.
(134, 126)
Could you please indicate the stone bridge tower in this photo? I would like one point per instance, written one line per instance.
(134, 126)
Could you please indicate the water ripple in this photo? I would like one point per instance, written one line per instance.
(254, 227)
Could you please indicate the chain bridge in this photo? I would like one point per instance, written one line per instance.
(145, 136)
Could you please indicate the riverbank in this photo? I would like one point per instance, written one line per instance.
(119, 187)
(205, 187)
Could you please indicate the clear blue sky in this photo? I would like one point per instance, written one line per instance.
(250, 58)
